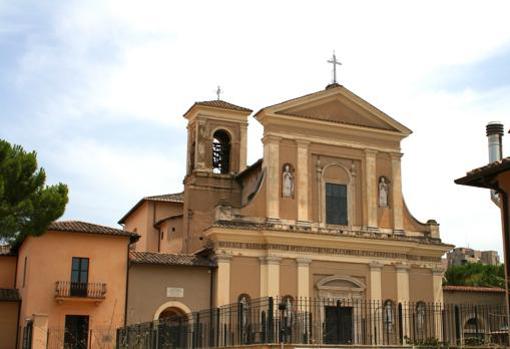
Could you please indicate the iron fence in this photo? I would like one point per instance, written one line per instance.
(322, 321)
(97, 338)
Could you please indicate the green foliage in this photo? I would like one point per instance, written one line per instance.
(27, 205)
(476, 274)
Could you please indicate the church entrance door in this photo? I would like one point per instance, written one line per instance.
(338, 325)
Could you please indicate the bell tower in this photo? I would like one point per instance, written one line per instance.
(217, 137)
(217, 148)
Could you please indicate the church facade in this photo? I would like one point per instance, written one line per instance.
(320, 215)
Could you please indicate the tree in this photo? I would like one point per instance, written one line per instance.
(476, 274)
(27, 205)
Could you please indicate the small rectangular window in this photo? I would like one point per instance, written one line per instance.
(336, 204)
(25, 271)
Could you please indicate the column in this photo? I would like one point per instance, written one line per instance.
(376, 281)
(223, 280)
(397, 202)
(371, 188)
(40, 331)
(437, 286)
(269, 276)
(302, 180)
(377, 302)
(403, 294)
(243, 147)
(263, 277)
(272, 165)
(273, 276)
(303, 277)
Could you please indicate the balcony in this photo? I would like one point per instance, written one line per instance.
(78, 291)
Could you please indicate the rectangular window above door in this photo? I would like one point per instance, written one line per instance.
(336, 204)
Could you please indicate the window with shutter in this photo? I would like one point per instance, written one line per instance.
(336, 204)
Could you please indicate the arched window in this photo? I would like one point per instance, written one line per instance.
(221, 152)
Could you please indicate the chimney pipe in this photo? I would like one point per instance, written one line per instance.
(495, 137)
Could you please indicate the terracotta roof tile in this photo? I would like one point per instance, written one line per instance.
(5, 250)
(473, 289)
(9, 295)
(475, 176)
(218, 103)
(169, 259)
(90, 228)
(175, 197)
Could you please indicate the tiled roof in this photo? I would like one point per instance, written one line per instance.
(169, 259)
(9, 295)
(90, 228)
(218, 103)
(473, 289)
(176, 197)
(5, 250)
(478, 176)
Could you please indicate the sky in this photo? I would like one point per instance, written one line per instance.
(98, 89)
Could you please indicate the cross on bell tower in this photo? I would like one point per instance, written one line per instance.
(335, 62)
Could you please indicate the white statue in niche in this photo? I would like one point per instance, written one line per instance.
(383, 192)
(287, 182)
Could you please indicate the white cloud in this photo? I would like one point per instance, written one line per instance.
(149, 61)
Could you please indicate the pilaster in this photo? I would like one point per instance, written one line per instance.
(243, 148)
(302, 180)
(40, 331)
(223, 280)
(273, 275)
(303, 277)
(370, 188)
(376, 281)
(396, 185)
(402, 282)
(437, 286)
(272, 164)
(269, 276)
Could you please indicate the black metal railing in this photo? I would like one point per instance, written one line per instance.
(96, 338)
(80, 289)
(323, 321)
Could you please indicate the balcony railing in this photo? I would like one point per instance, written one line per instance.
(66, 289)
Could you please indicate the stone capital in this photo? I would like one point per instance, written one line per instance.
(302, 143)
(376, 265)
(303, 262)
(223, 258)
(402, 267)
(370, 152)
(270, 260)
(438, 270)
(269, 138)
(396, 156)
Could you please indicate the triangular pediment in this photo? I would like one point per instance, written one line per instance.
(337, 105)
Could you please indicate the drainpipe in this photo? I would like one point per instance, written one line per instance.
(495, 133)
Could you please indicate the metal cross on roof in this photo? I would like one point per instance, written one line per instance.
(335, 62)
(218, 92)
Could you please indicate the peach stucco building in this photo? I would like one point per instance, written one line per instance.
(72, 283)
